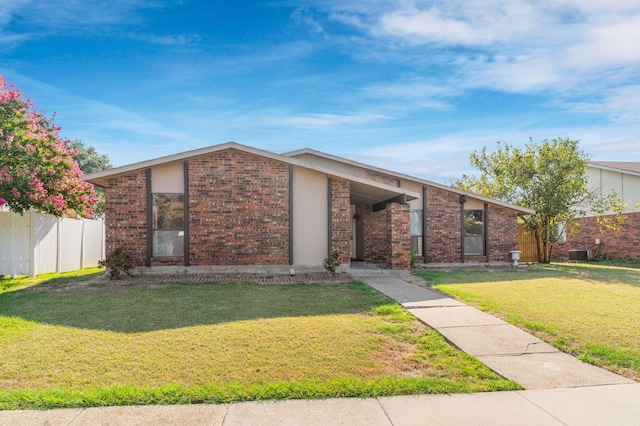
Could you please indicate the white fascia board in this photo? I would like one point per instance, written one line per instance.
(420, 181)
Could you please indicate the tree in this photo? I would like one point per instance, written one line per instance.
(37, 169)
(549, 178)
(90, 161)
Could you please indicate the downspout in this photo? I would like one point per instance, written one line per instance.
(462, 200)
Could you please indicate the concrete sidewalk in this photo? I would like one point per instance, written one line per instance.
(594, 405)
(560, 390)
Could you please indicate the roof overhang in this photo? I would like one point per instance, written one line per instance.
(521, 210)
(366, 190)
(626, 167)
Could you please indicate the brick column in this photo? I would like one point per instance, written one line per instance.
(340, 217)
(399, 226)
(126, 215)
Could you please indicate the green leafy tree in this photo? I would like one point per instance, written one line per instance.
(90, 161)
(549, 178)
(37, 168)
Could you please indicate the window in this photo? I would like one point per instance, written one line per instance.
(416, 231)
(561, 233)
(474, 232)
(168, 224)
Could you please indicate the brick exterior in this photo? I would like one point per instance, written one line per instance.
(442, 221)
(239, 215)
(387, 235)
(340, 217)
(624, 243)
(239, 210)
(380, 177)
(126, 215)
(375, 235)
(443, 228)
(399, 235)
(503, 233)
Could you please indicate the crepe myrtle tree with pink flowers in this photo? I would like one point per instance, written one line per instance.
(37, 168)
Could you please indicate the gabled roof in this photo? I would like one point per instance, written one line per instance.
(409, 178)
(379, 189)
(629, 167)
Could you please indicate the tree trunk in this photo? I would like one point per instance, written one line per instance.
(539, 246)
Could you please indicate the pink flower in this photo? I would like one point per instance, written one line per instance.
(2, 202)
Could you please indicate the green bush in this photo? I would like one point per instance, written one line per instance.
(332, 262)
(119, 261)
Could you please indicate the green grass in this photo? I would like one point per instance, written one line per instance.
(78, 345)
(591, 311)
(7, 283)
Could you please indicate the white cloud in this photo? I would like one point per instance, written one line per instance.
(607, 44)
(518, 46)
(469, 23)
(410, 92)
(38, 18)
(316, 121)
(621, 103)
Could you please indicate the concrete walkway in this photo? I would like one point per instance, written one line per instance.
(505, 348)
(560, 390)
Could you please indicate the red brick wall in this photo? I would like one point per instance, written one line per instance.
(399, 227)
(375, 235)
(239, 210)
(442, 221)
(341, 217)
(383, 178)
(624, 243)
(387, 236)
(503, 233)
(126, 215)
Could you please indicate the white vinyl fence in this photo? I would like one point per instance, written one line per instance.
(36, 243)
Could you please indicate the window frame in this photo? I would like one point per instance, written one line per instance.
(478, 238)
(162, 234)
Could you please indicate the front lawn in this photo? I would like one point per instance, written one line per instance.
(589, 310)
(122, 343)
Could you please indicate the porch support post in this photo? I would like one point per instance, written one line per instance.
(329, 217)
(424, 224)
(463, 199)
(147, 174)
(186, 212)
(290, 214)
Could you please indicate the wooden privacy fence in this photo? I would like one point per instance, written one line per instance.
(527, 245)
(36, 243)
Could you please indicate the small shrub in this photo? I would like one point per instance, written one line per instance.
(608, 258)
(119, 261)
(412, 258)
(332, 262)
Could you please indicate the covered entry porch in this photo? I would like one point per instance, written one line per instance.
(380, 224)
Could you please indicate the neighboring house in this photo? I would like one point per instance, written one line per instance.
(604, 177)
(229, 206)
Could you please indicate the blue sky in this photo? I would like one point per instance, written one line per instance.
(414, 86)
